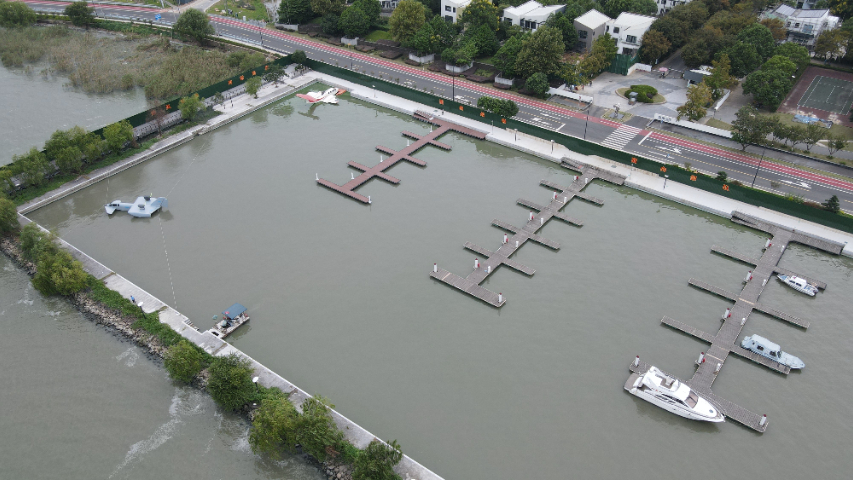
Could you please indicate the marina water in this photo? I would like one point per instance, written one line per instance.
(343, 306)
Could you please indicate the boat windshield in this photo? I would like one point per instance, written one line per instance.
(692, 399)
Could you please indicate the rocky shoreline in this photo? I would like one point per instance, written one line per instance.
(122, 327)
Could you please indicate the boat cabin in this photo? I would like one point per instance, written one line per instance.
(761, 345)
(232, 317)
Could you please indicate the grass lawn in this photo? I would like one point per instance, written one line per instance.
(713, 122)
(378, 35)
(837, 129)
(251, 9)
(489, 60)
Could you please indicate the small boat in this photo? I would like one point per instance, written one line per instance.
(326, 97)
(231, 319)
(670, 394)
(143, 207)
(766, 348)
(799, 284)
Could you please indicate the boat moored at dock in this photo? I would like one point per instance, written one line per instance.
(799, 284)
(232, 318)
(672, 395)
(773, 351)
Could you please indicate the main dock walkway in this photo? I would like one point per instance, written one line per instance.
(735, 318)
(378, 170)
(492, 260)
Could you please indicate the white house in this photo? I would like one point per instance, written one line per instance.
(628, 30)
(667, 5)
(451, 9)
(803, 26)
(530, 15)
(589, 26)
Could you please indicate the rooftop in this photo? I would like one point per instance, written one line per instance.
(626, 19)
(532, 8)
(593, 19)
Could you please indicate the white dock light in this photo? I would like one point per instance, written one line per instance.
(743, 321)
(763, 420)
(637, 361)
(516, 244)
(435, 268)
(719, 366)
(317, 177)
(352, 176)
(476, 263)
(565, 199)
(701, 358)
(505, 238)
(768, 244)
(531, 215)
(555, 195)
(585, 181)
(542, 221)
(727, 313)
(748, 276)
(764, 282)
(500, 297)
(488, 269)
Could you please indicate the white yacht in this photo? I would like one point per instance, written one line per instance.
(766, 348)
(799, 284)
(670, 394)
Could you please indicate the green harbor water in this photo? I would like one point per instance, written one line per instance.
(342, 303)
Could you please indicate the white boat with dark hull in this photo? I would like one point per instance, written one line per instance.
(766, 348)
(670, 394)
(799, 284)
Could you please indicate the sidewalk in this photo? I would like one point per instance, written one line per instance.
(639, 179)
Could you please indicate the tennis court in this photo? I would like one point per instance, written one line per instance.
(828, 94)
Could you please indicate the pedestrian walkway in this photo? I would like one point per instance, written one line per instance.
(621, 137)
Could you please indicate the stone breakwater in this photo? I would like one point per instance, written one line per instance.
(122, 326)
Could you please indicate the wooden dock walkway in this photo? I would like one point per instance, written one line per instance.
(520, 235)
(726, 339)
(396, 156)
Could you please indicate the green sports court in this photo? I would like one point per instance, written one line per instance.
(828, 94)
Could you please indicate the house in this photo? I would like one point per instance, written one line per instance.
(451, 9)
(530, 15)
(628, 30)
(803, 26)
(667, 5)
(387, 5)
(590, 26)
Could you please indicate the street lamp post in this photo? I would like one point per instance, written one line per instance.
(374, 91)
(665, 178)
(759, 166)
(552, 146)
(588, 108)
(454, 88)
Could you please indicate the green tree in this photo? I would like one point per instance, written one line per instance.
(194, 24)
(537, 84)
(93, 146)
(832, 204)
(325, 7)
(768, 87)
(274, 425)
(80, 14)
(749, 127)
(460, 55)
(299, 57)
(720, 78)
(253, 85)
(8, 216)
(315, 428)
(698, 98)
(330, 24)
(117, 135)
(62, 139)
(354, 22)
(480, 12)
(407, 20)
(612, 8)
(541, 52)
(424, 41)
(274, 74)
(776, 27)
(835, 143)
(504, 108)
(485, 39)
(796, 53)
(655, 45)
(507, 55)
(230, 383)
(371, 8)
(16, 14)
(814, 133)
(780, 63)
(759, 37)
(796, 135)
(830, 43)
(183, 361)
(57, 273)
(744, 59)
(295, 11)
(377, 461)
(190, 106)
(69, 159)
(571, 73)
(35, 241)
(566, 27)
(31, 167)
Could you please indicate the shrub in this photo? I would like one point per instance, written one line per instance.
(722, 176)
(183, 361)
(8, 216)
(230, 382)
(58, 273)
(191, 105)
(645, 93)
(35, 241)
(16, 14)
(118, 134)
(274, 425)
(537, 84)
(832, 204)
(315, 429)
(253, 85)
(377, 461)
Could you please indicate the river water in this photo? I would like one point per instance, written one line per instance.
(77, 402)
(35, 106)
(342, 303)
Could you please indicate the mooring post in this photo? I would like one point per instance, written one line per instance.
(531, 215)
(488, 269)
(516, 244)
(743, 321)
(763, 420)
(500, 297)
(505, 238)
(435, 268)
(637, 361)
(717, 370)
(727, 313)
(317, 177)
(701, 358)
(476, 263)
(368, 199)
(541, 220)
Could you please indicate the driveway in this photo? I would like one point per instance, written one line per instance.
(604, 87)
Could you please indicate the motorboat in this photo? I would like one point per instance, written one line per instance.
(799, 284)
(766, 348)
(325, 97)
(232, 318)
(143, 207)
(670, 394)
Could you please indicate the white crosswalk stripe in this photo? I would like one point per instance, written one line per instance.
(621, 136)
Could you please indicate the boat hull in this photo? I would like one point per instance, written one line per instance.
(681, 412)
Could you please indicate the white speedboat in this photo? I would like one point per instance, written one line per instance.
(766, 348)
(799, 284)
(324, 97)
(670, 394)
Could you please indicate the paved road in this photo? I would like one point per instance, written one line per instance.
(630, 138)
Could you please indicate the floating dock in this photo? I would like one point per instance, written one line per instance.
(396, 156)
(520, 235)
(724, 341)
